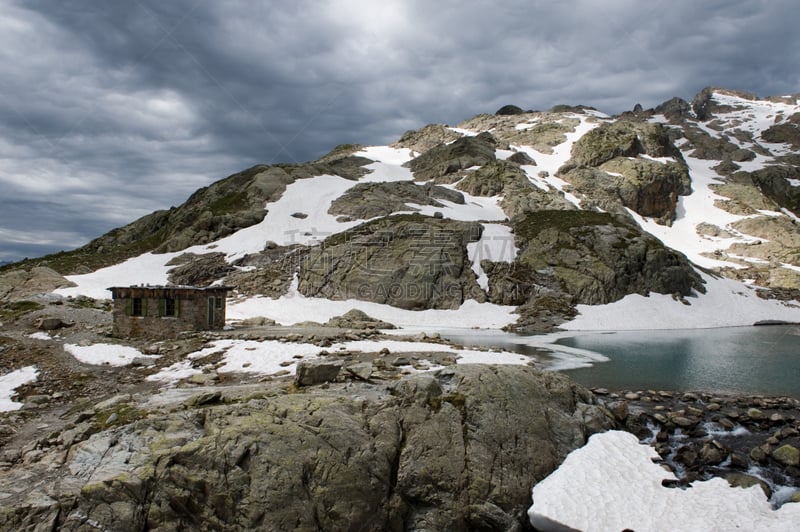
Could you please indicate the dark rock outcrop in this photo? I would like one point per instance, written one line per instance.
(599, 258)
(444, 163)
(522, 158)
(370, 200)
(675, 109)
(198, 270)
(705, 107)
(409, 261)
(773, 181)
(605, 167)
(268, 273)
(519, 194)
(787, 132)
(714, 148)
(621, 139)
(422, 140)
(357, 319)
(456, 450)
(507, 110)
(494, 178)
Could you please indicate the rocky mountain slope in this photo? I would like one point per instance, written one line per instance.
(544, 211)
(684, 215)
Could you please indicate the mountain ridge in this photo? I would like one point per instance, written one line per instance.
(716, 180)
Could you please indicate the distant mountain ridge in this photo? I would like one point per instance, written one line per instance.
(587, 208)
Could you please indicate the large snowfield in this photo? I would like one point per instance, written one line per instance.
(609, 484)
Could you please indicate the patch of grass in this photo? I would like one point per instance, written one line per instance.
(529, 226)
(83, 302)
(12, 311)
(339, 152)
(125, 414)
(229, 203)
(90, 257)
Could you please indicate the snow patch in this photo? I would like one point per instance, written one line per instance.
(496, 245)
(661, 311)
(147, 269)
(271, 357)
(106, 354)
(691, 211)
(10, 382)
(612, 483)
(174, 373)
(294, 307)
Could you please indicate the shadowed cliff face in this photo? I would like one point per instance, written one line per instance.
(457, 449)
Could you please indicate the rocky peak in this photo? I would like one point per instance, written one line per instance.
(705, 106)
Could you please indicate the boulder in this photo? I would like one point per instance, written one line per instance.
(309, 372)
(51, 324)
(494, 178)
(198, 270)
(357, 319)
(742, 480)
(18, 285)
(787, 455)
(674, 109)
(521, 158)
(509, 110)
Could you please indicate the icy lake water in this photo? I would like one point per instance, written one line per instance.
(758, 360)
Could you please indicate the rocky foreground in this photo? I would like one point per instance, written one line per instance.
(354, 441)
(457, 449)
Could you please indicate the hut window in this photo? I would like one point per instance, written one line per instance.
(137, 307)
(169, 307)
(219, 303)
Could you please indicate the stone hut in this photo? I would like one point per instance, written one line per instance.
(165, 311)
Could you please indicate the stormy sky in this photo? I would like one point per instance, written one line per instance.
(112, 109)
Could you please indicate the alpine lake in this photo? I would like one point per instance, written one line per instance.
(736, 360)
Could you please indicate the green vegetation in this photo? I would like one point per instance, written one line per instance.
(229, 203)
(12, 311)
(91, 257)
(339, 152)
(125, 414)
(533, 223)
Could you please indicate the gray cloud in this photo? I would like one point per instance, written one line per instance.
(111, 110)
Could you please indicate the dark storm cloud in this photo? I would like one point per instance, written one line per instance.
(109, 110)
